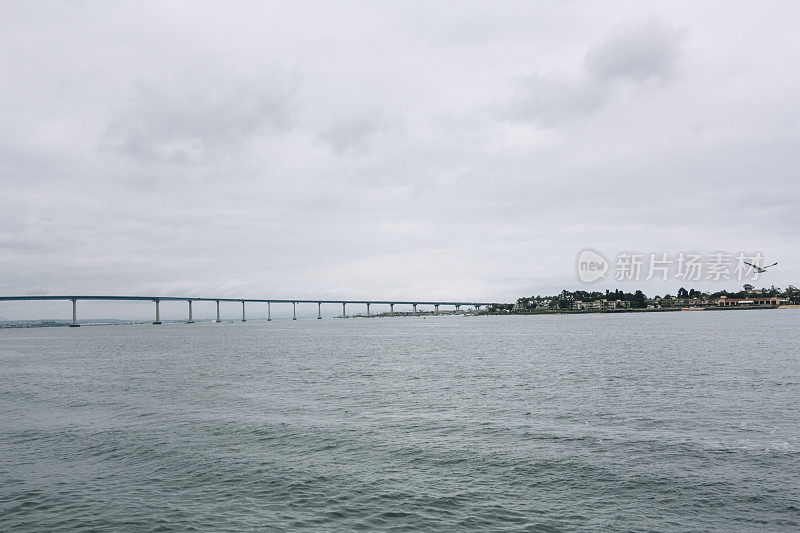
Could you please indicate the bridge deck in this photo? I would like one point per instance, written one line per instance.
(247, 300)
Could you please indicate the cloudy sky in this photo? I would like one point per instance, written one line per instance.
(407, 149)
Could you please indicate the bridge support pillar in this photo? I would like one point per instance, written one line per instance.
(344, 310)
(218, 320)
(367, 308)
(415, 308)
(74, 315)
(294, 310)
(190, 321)
(436, 309)
(158, 314)
(391, 309)
(243, 318)
(319, 310)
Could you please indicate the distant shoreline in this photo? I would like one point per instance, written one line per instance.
(638, 310)
(23, 324)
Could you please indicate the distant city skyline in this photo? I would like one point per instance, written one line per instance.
(389, 151)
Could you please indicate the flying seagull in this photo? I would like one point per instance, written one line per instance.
(759, 269)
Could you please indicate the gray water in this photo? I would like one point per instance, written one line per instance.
(656, 421)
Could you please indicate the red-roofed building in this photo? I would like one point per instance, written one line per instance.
(724, 301)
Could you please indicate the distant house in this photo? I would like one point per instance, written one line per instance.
(526, 304)
(597, 305)
(689, 302)
(724, 301)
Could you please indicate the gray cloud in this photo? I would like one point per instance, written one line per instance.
(636, 51)
(356, 132)
(188, 118)
(550, 100)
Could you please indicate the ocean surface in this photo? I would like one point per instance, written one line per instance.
(684, 421)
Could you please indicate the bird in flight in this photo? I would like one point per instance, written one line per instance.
(759, 269)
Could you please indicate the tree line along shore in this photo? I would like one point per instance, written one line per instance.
(620, 301)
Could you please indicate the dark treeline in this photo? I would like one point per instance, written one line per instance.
(565, 298)
(639, 300)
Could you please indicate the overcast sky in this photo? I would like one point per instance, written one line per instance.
(407, 149)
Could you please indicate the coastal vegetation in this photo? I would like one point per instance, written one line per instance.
(618, 300)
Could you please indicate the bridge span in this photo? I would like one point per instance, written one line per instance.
(269, 301)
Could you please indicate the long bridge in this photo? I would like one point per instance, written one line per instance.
(269, 301)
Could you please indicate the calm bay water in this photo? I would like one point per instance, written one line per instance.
(658, 421)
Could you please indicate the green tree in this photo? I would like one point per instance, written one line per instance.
(639, 300)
